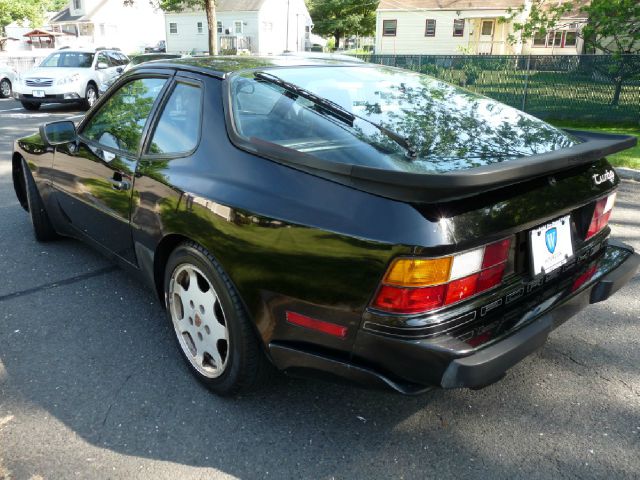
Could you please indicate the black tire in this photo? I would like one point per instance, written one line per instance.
(247, 367)
(42, 227)
(88, 102)
(30, 105)
(5, 88)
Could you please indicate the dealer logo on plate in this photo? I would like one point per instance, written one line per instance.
(551, 239)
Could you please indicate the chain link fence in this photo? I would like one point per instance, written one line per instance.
(567, 87)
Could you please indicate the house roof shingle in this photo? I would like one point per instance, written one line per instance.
(449, 4)
(65, 16)
(239, 5)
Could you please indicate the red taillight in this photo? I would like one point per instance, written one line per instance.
(601, 215)
(318, 325)
(491, 277)
(496, 253)
(409, 300)
(462, 288)
(469, 273)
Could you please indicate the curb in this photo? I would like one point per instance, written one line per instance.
(628, 173)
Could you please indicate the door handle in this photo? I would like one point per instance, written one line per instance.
(120, 185)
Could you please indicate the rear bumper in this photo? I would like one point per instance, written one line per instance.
(412, 365)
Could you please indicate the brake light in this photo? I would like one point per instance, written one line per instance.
(601, 215)
(418, 285)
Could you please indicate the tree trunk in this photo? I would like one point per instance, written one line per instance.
(212, 24)
(616, 93)
(336, 36)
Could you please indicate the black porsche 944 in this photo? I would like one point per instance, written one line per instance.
(334, 218)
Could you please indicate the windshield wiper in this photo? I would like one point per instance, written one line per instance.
(334, 109)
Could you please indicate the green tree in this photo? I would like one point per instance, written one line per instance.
(341, 18)
(209, 6)
(612, 27)
(18, 10)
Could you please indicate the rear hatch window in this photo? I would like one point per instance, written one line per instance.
(384, 118)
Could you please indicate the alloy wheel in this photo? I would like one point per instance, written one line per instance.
(198, 320)
(5, 88)
(92, 96)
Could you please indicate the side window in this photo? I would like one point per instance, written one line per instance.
(102, 57)
(121, 119)
(178, 129)
(114, 59)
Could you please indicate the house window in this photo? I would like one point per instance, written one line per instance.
(570, 39)
(237, 27)
(458, 27)
(200, 27)
(77, 4)
(539, 39)
(555, 39)
(173, 28)
(389, 28)
(487, 28)
(219, 27)
(430, 28)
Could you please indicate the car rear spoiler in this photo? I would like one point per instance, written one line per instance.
(454, 185)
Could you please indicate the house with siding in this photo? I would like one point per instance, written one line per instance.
(261, 27)
(450, 27)
(109, 23)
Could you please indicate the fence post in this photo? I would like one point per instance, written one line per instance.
(526, 84)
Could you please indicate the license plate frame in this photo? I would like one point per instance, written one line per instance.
(38, 94)
(550, 245)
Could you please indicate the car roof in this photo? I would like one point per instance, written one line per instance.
(221, 66)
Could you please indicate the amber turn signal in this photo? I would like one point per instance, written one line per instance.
(415, 272)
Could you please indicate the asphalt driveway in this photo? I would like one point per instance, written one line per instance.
(92, 385)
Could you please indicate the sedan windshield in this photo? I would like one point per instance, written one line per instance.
(69, 59)
(385, 118)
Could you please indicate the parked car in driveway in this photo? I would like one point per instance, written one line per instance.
(334, 218)
(137, 60)
(68, 76)
(159, 47)
(7, 79)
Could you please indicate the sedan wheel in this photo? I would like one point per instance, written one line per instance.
(199, 320)
(5, 88)
(215, 335)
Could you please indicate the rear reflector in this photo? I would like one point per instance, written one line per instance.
(601, 215)
(418, 285)
(318, 325)
(584, 278)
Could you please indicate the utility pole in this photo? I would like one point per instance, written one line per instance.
(286, 41)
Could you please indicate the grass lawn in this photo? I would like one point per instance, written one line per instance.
(627, 158)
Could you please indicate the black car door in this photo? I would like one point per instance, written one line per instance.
(93, 178)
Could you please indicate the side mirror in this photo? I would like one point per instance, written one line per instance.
(101, 66)
(58, 133)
